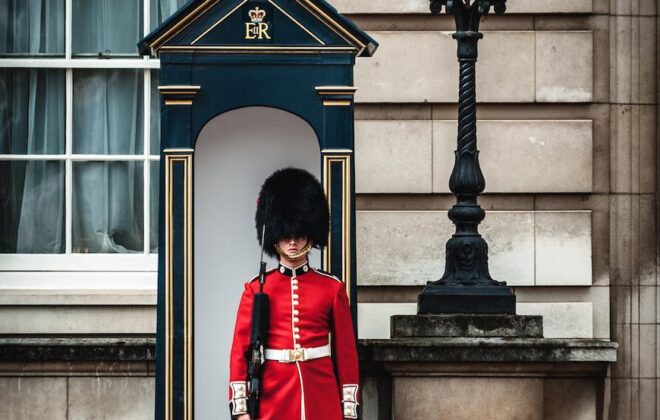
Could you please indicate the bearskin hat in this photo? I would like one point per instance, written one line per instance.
(292, 204)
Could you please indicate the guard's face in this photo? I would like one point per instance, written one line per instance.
(292, 246)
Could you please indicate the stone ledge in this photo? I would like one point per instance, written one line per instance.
(77, 349)
(492, 350)
(466, 325)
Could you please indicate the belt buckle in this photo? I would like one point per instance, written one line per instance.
(296, 355)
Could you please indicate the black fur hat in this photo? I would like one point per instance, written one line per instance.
(292, 204)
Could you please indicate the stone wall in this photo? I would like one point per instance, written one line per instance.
(567, 133)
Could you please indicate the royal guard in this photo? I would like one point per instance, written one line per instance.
(308, 366)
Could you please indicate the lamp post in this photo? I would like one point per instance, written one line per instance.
(466, 286)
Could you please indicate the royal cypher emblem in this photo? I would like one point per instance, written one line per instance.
(257, 28)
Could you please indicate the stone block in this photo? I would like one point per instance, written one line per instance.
(374, 318)
(623, 60)
(33, 398)
(466, 325)
(601, 300)
(505, 67)
(510, 238)
(647, 55)
(563, 248)
(514, 153)
(573, 399)
(648, 402)
(400, 248)
(562, 319)
(471, 398)
(598, 296)
(421, 67)
(393, 156)
(77, 320)
(648, 304)
(647, 351)
(407, 248)
(369, 398)
(409, 67)
(621, 398)
(564, 66)
(422, 6)
(548, 6)
(111, 398)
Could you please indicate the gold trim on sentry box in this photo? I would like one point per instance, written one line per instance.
(296, 22)
(334, 102)
(218, 22)
(342, 157)
(335, 90)
(172, 157)
(183, 23)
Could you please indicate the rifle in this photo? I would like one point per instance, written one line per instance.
(258, 335)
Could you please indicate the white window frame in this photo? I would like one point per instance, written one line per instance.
(13, 264)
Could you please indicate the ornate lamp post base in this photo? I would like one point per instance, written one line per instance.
(440, 299)
(466, 286)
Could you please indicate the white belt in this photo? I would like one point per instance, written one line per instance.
(297, 355)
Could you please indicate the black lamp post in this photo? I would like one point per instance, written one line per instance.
(466, 286)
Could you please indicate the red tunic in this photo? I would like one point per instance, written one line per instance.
(306, 305)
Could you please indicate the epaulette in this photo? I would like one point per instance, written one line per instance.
(326, 274)
(257, 276)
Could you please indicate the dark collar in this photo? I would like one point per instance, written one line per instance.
(294, 272)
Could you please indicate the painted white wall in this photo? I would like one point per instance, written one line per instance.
(234, 153)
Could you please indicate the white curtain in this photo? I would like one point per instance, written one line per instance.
(162, 9)
(108, 199)
(32, 27)
(106, 26)
(31, 192)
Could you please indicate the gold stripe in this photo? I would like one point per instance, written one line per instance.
(326, 188)
(169, 321)
(296, 22)
(189, 288)
(333, 152)
(178, 151)
(174, 87)
(177, 92)
(178, 101)
(333, 102)
(346, 204)
(343, 157)
(183, 156)
(252, 47)
(183, 23)
(218, 22)
(335, 90)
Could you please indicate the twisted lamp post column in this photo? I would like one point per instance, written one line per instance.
(466, 286)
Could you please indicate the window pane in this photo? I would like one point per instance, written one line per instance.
(31, 27)
(106, 27)
(155, 114)
(153, 203)
(32, 207)
(162, 9)
(108, 112)
(108, 207)
(32, 111)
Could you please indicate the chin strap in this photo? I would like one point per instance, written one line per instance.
(304, 251)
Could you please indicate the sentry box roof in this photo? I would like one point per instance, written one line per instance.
(258, 26)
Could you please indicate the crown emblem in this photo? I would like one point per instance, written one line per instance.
(257, 15)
